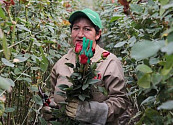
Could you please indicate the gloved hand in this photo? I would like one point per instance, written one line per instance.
(47, 112)
(71, 108)
(91, 112)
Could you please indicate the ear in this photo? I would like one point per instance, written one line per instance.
(98, 35)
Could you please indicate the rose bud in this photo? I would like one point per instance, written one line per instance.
(78, 48)
(95, 77)
(83, 59)
(105, 54)
(45, 104)
(99, 76)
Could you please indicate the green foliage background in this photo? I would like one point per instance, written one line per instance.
(35, 34)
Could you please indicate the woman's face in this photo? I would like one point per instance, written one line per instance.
(84, 28)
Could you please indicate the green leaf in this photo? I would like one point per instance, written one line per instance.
(132, 41)
(19, 59)
(9, 109)
(43, 66)
(144, 82)
(63, 87)
(28, 80)
(153, 116)
(22, 27)
(38, 99)
(7, 63)
(44, 63)
(93, 81)
(166, 105)
(2, 108)
(116, 17)
(42, 121)
(6, 83)
(170, 37)
(76, 76)
(164, 2)
(156, 78)
(6, 50)
(50, 29)
(103, 90)
(81, 97)
(33, 88)
(153, 61)
(167, 65)
(120, 44)
(77, 87)
(85, 86)
(48, 41)
(168, 49)
(168, 6)
(2, 15)
(70, 65)
(166, 71)
(55, 123)
(148, 100)
(94, 65)
(35, 68)
(135, 8)
(61, 94)
(144, 49)
(11, 82)
(162, 11)
(144, 68)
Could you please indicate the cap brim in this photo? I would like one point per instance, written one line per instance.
(75, 15)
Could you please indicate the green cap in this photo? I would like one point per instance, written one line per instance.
(92, 15)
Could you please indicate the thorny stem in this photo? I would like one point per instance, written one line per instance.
(27, 114)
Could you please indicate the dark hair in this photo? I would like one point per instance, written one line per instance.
(97, 29)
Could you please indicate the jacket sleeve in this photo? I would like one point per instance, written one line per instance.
(113, 78)
(53, 80)
(53, 77)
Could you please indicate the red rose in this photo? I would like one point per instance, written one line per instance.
(78, 48)
(83, 59)
(105, 54)
(99, 76)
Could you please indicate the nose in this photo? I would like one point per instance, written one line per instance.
(80, 33)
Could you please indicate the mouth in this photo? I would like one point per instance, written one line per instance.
(79, 41)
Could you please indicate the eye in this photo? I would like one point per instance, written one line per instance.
(75, 28)
(87, 29)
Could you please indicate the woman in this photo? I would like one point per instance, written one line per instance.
(101, 109)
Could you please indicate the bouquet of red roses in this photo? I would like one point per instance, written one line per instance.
(85, 75)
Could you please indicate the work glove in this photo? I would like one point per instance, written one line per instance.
(46, 113)
(89, 112)
(71, 108)
(47, 110)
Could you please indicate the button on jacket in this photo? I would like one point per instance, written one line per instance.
(112, 78)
